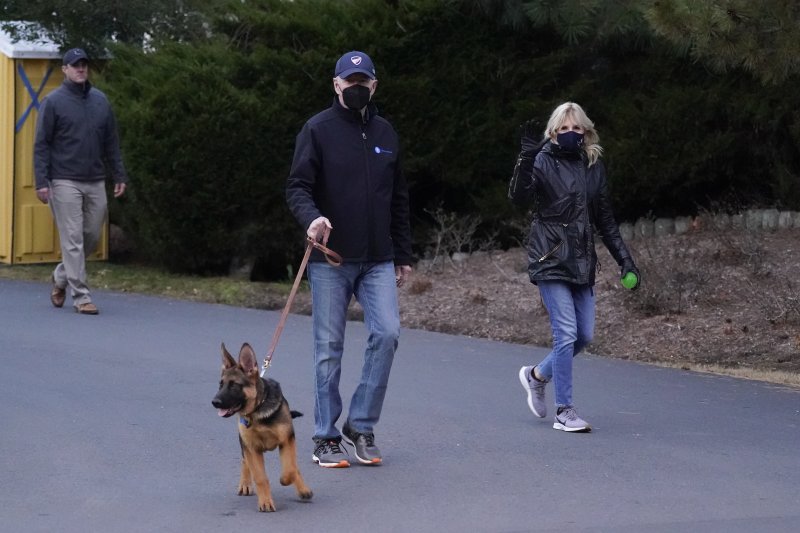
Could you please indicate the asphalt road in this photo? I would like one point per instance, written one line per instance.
(109, 428)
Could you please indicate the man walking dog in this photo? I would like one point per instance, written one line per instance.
(346, 185)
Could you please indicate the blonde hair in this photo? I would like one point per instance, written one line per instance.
(578, 115)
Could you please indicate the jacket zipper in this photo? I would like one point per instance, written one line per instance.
(370, 214)
(551, 252)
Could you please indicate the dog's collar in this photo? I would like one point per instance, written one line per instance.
(245, 420)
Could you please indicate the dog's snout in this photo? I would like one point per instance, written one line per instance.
(216, 402)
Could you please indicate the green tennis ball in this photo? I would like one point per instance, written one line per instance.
(630, 280)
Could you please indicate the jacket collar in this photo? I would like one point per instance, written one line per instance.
(78, 89)
(556, 151)
(354, 116)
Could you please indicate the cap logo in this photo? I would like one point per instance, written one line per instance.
(356, 60)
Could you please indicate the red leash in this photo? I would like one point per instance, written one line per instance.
(332, 258)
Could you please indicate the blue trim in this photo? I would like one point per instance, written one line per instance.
(34, 94)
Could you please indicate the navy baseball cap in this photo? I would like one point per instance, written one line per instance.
(73, 56)
(352, 63)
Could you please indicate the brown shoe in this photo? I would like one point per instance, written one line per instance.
(57, 294)
(87, 309)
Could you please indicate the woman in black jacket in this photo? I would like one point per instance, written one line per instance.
(565, 178)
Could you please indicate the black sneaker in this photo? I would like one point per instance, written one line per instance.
(363, 446)
(329, 454)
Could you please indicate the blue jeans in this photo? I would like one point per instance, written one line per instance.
(374, 286)
(571, 310)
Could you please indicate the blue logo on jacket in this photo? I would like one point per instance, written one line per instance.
(379, 150)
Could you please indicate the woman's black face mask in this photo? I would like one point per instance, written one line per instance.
(356, 97)
(571, 141)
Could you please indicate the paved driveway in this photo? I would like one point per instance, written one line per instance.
(109, 427)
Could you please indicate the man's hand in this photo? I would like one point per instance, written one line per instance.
(401, 274)
(119, 189)
(320, 229)
(43, 194)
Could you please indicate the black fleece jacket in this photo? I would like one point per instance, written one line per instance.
(348, 170)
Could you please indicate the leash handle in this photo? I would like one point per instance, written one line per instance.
(332, 258)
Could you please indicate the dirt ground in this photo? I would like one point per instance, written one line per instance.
(724, 299)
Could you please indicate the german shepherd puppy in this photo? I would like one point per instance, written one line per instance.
(265, 423)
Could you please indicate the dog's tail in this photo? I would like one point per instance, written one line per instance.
(295, 414)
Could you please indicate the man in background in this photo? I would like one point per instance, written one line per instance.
(75, 148)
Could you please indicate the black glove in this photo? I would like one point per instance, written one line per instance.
(530, 137)
(629, 266)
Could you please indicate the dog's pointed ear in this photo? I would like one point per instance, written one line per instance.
(247, 358)
(227, 359)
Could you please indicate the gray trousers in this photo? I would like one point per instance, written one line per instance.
(79, 209)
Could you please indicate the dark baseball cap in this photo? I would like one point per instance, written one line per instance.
(352, 63)
(73, 56)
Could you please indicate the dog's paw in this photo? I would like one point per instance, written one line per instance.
(266, 506)
(246, 490)
(305, 494)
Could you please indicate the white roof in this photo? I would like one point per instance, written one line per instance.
(23, 49)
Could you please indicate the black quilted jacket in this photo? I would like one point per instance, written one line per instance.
(571, 203)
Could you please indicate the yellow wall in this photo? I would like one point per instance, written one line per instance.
(6, 156)
(35, 236)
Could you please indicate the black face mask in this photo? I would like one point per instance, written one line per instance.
(356, 97)
(571, 141)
